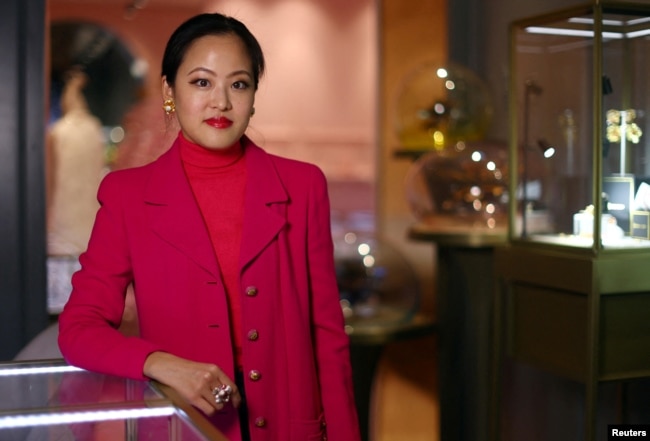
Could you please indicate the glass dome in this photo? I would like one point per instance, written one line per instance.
(461, 187)
(441, 104)
(377, 285)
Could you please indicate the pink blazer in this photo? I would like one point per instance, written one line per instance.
(149, 232)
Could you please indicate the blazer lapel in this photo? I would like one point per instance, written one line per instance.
(264, 203)
(173, 213)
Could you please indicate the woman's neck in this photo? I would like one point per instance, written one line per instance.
(202, 157)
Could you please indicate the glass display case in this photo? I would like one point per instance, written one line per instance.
(573, 288)
(51, 401)
(579, 127)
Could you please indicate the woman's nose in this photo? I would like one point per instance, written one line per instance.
(221, 100)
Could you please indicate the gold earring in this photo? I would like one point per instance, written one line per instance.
(169, 106)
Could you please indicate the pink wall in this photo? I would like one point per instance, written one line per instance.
(318, 100)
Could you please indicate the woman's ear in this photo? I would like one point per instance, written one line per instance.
(167, 90)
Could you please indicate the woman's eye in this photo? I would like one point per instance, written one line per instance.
(240, 85)
(201, 82)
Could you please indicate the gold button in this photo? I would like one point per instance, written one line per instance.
(253, 335)
(254, 375)
(260, 422)
(251, 291)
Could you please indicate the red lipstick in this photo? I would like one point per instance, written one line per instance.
(219, 123)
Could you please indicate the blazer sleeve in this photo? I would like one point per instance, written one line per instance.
(88, 335)
(330, 340)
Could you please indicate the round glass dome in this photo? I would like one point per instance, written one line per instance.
(377, 285)
(461, 187)
(441, 104)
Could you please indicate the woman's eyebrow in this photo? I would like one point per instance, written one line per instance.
(210, 71)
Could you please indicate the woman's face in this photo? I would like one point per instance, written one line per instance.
(214, 91)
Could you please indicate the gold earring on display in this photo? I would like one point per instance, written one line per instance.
(169, 106)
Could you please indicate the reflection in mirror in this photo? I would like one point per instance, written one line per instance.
(94, 80)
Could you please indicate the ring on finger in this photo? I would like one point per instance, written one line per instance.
(222, 393)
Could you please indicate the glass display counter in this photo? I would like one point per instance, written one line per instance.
(51, 401)
(573, 287)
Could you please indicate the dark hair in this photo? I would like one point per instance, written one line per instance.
(209, 24)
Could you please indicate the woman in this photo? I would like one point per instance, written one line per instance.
(75, 167)
(230, 254)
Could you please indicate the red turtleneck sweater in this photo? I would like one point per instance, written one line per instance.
(218, 179)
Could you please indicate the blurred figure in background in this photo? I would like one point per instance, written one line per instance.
(75, 162)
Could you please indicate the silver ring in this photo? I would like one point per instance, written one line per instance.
(222, 394)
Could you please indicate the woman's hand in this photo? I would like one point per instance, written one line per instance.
(193, 381)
